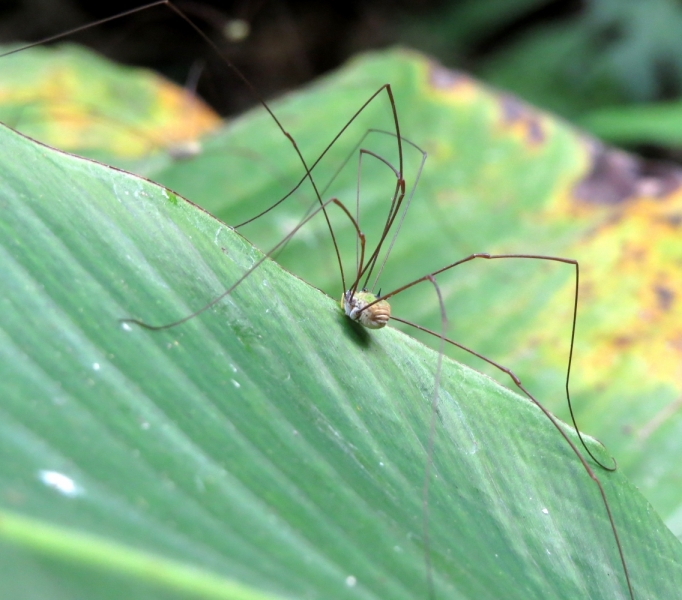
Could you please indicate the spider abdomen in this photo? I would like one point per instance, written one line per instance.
(364, 308)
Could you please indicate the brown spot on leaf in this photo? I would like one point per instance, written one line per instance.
(633, 253)
(444, 79)
(617, 176)
(665, 296)
(621, 342)
(587, 290)
(514, 112)
(674, 220)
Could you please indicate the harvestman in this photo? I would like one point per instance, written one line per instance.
(362, 305)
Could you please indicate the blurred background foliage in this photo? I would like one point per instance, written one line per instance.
(613, 67)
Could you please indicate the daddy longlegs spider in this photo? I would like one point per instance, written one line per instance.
(373, 311)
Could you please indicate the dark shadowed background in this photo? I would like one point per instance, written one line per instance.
(589, 61)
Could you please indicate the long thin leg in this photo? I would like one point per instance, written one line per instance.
(400, 183)
(517, 381)
(560, 259)
(248, 272)
(399, 175)
(429, 449)
(431, 277)
(256, 94)
(551, 417)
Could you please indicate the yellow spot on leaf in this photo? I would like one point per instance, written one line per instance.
(74, 100)
(630, 314)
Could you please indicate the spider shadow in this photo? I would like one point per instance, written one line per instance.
(353, 330)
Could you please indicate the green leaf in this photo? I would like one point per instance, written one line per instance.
(266, 447)
(500, 177)
(153, 448)
(76, 100)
